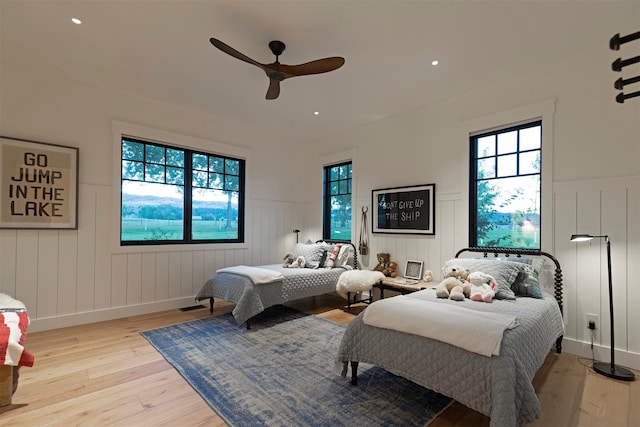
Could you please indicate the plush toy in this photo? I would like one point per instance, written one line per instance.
(298, 262)
(483, 286)
(390, 271)
(289, 258)
(428, 276)
(454, 285)
(383, 261)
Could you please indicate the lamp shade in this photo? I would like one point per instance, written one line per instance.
(581, 237)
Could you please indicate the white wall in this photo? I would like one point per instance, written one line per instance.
(67, 277)
(595, 186)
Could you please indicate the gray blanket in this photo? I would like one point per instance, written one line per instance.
(253, 299)
(499, 387)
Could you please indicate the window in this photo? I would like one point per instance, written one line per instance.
(337, 202)
(505, 187)
(176, 195)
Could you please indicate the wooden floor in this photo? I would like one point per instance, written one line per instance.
(106, 374)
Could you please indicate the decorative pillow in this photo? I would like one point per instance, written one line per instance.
(342, 259)
(505, 273)
(312, 253)
(331, 259)
(527, 284)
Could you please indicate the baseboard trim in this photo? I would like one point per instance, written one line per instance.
(57, 322)
(603, 354)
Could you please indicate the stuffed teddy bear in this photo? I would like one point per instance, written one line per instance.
(428, 276)
(383, 261)
(483, 286)
(289, 258)
(454, 286)
(390, 271)
(298, 262)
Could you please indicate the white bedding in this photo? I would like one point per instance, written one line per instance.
(479, 332)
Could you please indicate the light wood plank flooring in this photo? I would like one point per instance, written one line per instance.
(106, 374)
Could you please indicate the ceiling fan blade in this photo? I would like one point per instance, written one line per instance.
(231, 51)
(314, 67)
(274, 89)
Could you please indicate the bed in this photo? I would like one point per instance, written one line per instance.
(498, 386)
(325, 261)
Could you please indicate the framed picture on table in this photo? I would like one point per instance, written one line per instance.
(413, 270)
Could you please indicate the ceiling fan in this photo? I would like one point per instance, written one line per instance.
(277, 71)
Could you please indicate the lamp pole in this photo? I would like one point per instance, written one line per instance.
(611, 370)
(608, 369)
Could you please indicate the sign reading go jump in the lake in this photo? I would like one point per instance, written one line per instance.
(404, 210)
(38, 185)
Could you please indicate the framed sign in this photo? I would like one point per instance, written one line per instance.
(413, 270)
(38, 185)
(404, 210)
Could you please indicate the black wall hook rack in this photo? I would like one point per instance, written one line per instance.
(620, 63)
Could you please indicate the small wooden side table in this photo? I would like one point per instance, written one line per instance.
(403, 286)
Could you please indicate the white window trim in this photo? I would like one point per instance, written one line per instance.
(121, 129)
(544, 111)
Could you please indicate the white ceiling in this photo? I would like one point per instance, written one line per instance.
(161, 50)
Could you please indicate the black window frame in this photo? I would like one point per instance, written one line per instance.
(326, 197)
(473, 175)
(187, 200)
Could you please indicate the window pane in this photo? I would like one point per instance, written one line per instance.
(154, 154)
(487, 146)
(216, 181)
(232, 167)
(132, 150)
(530, 138)
(132, 170)
(232, 183)
(175, 157)
(487, 168)
(199, 161)
(508, 142)
(507, 165)
(151, 211)
(154, 173)
(216, 164)
(175, 176)
(199, 179)
(341, 217)
(530, 162)
(215, 215)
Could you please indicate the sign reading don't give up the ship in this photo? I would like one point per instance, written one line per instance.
(38, 185)
(404, 210)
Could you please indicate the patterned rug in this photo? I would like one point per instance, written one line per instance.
(282, 373)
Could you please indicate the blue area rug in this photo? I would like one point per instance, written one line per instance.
(282, 373)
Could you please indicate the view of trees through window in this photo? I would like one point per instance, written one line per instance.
(506, 187)
(160, 190)
(337, 202)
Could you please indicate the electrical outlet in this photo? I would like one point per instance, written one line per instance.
(591, 319)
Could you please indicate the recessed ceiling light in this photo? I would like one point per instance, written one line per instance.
(434, 62)
(76, 21)
(316, 113)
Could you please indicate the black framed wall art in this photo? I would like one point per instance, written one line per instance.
(404, 210)
(38, 185)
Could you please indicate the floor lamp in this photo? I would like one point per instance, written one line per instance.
(607, 369)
